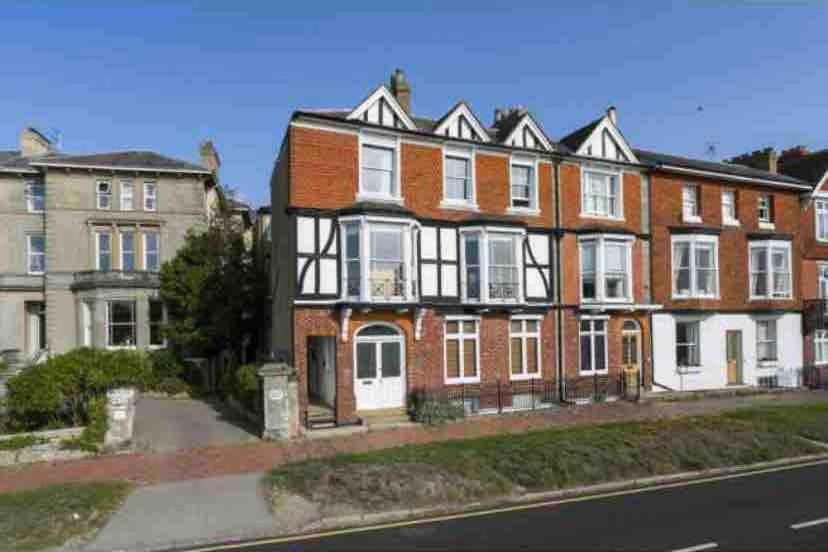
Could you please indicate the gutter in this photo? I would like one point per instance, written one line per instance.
(726, 176)
(120, 168)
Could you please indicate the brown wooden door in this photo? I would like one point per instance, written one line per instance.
(733, 340)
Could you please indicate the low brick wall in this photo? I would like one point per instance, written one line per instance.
(48, 451)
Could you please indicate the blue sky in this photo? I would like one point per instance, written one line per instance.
(166, 75)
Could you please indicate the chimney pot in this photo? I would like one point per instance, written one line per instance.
(612, 114)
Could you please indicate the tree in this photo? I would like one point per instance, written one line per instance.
(213, 291)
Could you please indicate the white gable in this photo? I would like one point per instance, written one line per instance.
(461, 123)
(381, 108)
(606, 142)
(527, 134)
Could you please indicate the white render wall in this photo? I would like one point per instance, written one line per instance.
(712, 327)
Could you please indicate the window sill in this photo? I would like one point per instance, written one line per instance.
(589, 373)
(695, 297)
(767, 226)
(768, 364)
(689, 370)
(524, 377)
(462, 381)
(693, 219)
(602, 217)
(459, 205)
(522, 211)
(370, 197)
(734, 223)
(765, 298)
(121, 347)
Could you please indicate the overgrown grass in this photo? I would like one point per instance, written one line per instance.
(562, 458)
(48, 517)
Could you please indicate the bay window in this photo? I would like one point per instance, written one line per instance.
(593, 346)
(695, 266)
(353, 265)
(491, 266)
(601, 194)
(766, 345)
(821, 215)
(461, 350)
(377, 260)
(687, 344)
(120, 323)
(770, 270)
(503, 268)
(524, 348)
(387, 271)
(471, 260)
(606, 268)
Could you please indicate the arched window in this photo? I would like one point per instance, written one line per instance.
(377, 330)
(630, 326)
(630, 344)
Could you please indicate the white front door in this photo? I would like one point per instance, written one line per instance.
(379, 377)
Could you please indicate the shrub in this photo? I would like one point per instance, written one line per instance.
(165, 364)
(243, 385)
(96, 427)
(21, 441)
(173, 386)
(431, 410)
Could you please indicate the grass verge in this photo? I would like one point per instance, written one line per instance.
(454, 472)
(51, 516)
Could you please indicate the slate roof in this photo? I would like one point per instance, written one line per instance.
(811, 167)
(653, 158)
(147, 160)
(574, 140)
(12, 160)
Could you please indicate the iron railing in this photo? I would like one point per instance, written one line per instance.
(386, 288)
(602, 387)
(497, 396)
(504, 291)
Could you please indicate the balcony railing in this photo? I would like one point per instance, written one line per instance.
(815, 315)
(504, 291)
(382, 289)
(116, 278)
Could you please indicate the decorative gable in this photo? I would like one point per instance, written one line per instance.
(382, 108)
(606, 142)
(527, 134)
(461, 122)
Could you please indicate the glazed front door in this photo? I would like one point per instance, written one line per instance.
(733, 340)
(379, 376)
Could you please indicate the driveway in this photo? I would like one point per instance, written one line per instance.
(164, 425)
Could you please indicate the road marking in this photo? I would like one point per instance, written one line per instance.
(805, 524)
(705, 546)
(501, 510)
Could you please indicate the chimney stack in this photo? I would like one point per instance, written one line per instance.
(611, 113)
(209, 156)
(401, 90)
(792, 154)
(764, 160)
(33, 143)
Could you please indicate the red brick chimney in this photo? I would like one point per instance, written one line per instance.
(401, 90)
(792, 154)
(764, 160)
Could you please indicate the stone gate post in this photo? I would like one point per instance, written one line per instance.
(281, 401)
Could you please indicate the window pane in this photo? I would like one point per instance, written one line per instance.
(588, 257)
(532, 355)
(501, 252)
(600, 347)
(366, 360)
(516, 326)
(377, 158)
(531, 325)
(452, 327)
(387, 245)
(453, 358)
(390, 360)
(615, 257)
(586, 353)
(517, 355)
(469, 326)
(378, 182)
(127, 251)
(469, 358)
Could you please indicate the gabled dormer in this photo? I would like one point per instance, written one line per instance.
(518, 129)
(461, 122)
(601, 139)
(382, 108)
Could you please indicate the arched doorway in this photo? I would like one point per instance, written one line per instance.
(379, 367)
(631, 345)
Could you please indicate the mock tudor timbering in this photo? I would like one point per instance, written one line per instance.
(427, 254)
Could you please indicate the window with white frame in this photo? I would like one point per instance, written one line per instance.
(103, 247)
(503, 273)
(491, 265)
(120, 323)
(601, 194)
(523, 186)
(127, 195)
(458, 182)
(461, 346)
(150, 195)
(687, 344)
(765, 208)
(156, 322)
(35, 196)
(770, 270)
(766, 345)
(386, 261)
(104, 194)
(152, 257)
(729, 214)
(378, 178)
(353, 264)
(821, 216)
(378, 259)
(36, 253)
(695, 266)
(690, 202)
(524, 348)
(593, 345)
(127, 250)
(606, 268)
(821, 347)
(822, 278)
(472, 263)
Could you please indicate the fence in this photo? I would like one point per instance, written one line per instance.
(602, 387)
(815, 377)
(497, 397)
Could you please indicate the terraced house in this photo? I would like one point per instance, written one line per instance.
(83, 239)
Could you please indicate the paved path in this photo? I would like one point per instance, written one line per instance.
(164, 425)
(154, 468)
(783, 510)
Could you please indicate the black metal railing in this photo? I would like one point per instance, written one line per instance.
(385, 288)
(497, 396)
(814, 315)
(602, 387)
(815, 377)
(504, 291)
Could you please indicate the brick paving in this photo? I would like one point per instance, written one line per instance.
(149, 469)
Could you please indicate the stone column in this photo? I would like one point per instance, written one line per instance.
(281, 401)
(120, 408)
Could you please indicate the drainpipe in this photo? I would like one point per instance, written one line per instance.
(558, 273)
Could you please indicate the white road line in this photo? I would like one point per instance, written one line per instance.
(805, 524)
(705, 546)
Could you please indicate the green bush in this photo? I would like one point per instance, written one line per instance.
(243, 385)
(173, 386)
(165, 364)
(431, 410)
(96, 427)
(21, 441)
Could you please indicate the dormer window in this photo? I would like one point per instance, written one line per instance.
(601, 194)
(524, 186)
